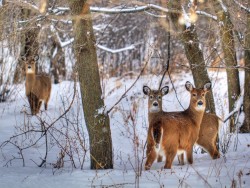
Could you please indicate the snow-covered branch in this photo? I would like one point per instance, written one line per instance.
(223, 6)
(199, 12)
(68, 42)
(242, 6)
(154, 15)
(131, 9)
(131, 47)
(237, 106)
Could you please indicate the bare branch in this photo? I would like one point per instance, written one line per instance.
(132, 9)
(242, 6)
(131, 47)
(203, 13)
(124, 94)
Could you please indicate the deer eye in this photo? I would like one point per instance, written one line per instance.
(151, 97)
(159, 97)
(194, 94)
(202, 94)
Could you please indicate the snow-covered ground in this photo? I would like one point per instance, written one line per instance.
(128, 122)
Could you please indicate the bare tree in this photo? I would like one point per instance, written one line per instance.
(194, 54)
(228, 47)
(86, 59)
(246, 103)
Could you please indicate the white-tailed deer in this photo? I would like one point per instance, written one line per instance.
(170, 133)
(38, 87)
(207, 136)
(208, 130)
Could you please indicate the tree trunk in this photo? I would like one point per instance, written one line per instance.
(194, 55)
(29, 45)
(58, 66)
(227, 42)
(86, 61)
(245, 128)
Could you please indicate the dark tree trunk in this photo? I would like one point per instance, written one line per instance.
(58, 66)
(245, 128)
(228, 47)
(194, 55)
(86, 60)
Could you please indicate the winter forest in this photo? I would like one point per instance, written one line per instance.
(122, 93)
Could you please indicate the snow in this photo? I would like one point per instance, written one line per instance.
(128, 138)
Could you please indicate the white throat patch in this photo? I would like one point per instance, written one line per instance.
(30, 71)
(200, 107)
(154, 109)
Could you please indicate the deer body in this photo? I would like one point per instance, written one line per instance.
(207, 136)
(172, 133)
(37, 88)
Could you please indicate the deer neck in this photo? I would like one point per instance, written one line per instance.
(152, 115)
(196, 115)
(30, 81)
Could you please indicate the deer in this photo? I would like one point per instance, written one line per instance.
(172, 133)
(208, 130)
(37, 86)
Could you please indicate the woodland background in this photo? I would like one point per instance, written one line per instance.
(92, 43)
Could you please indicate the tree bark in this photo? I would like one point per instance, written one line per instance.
(245, 128)
(194, 55)
(86, 61)
(228, 47)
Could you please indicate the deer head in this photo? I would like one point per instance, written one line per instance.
(198, 100)
(155, 98)
(30, 65)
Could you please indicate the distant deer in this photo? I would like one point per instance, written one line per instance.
(38, 87)
(172, 133)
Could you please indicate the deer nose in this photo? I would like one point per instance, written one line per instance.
(155, 104)
(200, 103)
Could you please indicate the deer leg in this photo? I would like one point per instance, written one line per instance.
(30, 102)
(214, 153)
(45, 106)
(36, 104)
(159, 158)
(151, 156)
(190, 155)
(181, 159)
(33, 103)
(39, 105)
(170, 154)
(46, 102)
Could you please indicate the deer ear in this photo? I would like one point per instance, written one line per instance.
(207, 86)
(189, 86)
(22, 58)
(164, 90)
(36, 57)
(146, 90)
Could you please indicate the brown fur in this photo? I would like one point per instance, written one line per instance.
(179, 130)
(38, 87)
(207, 136)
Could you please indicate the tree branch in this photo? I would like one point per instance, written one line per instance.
(242, 6)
